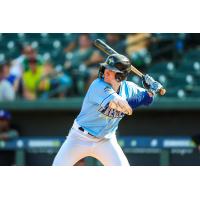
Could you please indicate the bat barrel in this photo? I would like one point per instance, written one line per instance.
(104, 47)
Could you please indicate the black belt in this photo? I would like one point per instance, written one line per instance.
(82, 129)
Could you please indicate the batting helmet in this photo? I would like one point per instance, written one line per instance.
(117, 63)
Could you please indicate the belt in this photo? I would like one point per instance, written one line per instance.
(82, 129)
(77, 126)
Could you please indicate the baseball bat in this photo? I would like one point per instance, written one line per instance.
(108, 50)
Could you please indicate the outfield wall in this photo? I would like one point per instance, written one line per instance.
(55, 117)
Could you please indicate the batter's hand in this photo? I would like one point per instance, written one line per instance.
(150, 84)
(121, 105)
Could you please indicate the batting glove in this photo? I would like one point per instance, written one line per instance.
(150, 84)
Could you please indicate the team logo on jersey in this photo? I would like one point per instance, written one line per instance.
(107, 89)
(111, 113)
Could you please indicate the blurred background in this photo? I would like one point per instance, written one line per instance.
(44, 77)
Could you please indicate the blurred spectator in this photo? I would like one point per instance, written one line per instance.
(21, 64)
(60, 81)
(167, 46)
(82, 63)
(7, 89)
(137, 49)
(12, 79)
(33, 84)
(80, 59)
(116, 41)
(7, 157)
(180, 44)
(72, 42)
(31, 54)
(6, 133)
(93, 66)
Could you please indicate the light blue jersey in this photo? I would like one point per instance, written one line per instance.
(95, 116)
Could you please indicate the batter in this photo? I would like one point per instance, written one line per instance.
(109, 98)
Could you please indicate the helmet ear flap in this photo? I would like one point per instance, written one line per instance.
(101, 71)
(121, 76)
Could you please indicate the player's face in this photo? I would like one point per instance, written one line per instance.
(109, 77)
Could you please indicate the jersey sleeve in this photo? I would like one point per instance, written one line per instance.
(101, 93)
(142, 98)
(139, 96)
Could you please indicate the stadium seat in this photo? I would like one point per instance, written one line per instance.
(176, 92)
(196, 69)
(44, 35)
(30, 37)
(197, 82)
(44, 46)
(163, 80)
(11, 45)
(22, 39)
(55, 55)
(177, 80)
(46, 56)
(21, 35)
(34, 44)
(180, 76)
(57, 44)
(3, 48)
(193, 54)
(195, 92)
(163, 67)
(12, 49)
(9, 36)
(2, 57)
(190, 82)
(189, 79)
(189, 66)
(68, 56)
(58, 36)
(196, 66)
(69, 37)
(181, 93)
(45, 41)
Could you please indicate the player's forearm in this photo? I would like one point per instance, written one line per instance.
(145, 98)
(121, 105)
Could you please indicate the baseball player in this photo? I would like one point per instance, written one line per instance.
(109, 98)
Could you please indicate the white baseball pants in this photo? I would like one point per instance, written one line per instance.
(79, 145)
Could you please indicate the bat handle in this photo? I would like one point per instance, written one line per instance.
(162, 91)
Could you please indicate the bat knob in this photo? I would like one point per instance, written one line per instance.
(162, 91)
